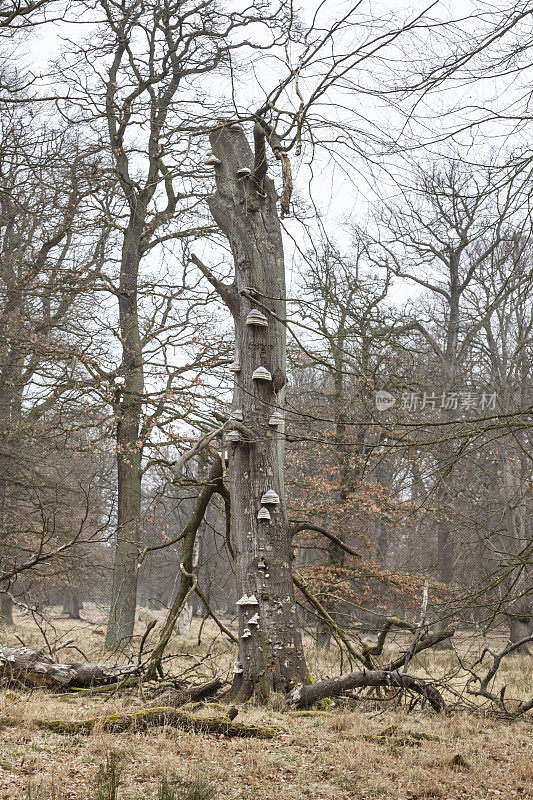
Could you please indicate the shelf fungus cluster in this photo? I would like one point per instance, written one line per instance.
(269, 498)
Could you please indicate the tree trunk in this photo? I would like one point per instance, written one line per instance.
(128, 404)
(270, 651)
(187, 613)
(6, 610)
(187, 555)
(72, 605)
(519, 628)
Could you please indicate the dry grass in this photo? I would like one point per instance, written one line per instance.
(321, 755)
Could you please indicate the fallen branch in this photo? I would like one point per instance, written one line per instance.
(34, 668)
(422, 644)
(189, 694)
(305, 696)
(336, 629)
(150, 718)
(498, 700)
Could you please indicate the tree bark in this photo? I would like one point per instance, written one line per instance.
(128, 408)
(6, 610)
(270, 652)
(72, 605)
(520, 628)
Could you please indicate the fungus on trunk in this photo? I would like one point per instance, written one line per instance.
(244, 208)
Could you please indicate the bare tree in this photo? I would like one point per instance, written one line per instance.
(454, 222)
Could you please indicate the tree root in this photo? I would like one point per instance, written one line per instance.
(149, 718)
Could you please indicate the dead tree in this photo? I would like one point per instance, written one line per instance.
(245, 209)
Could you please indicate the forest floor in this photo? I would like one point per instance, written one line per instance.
(371, 751)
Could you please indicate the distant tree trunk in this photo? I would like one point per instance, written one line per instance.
(212, 485)
(445, 544)
(519, 628)
(520, 605)
(6, 610)
(188, 611)
(382, 538)
(128, 406)
(244, 207)
(72, 605)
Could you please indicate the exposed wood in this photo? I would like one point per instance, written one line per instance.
(305, 696)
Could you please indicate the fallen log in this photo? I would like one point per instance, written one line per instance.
(150, 718)
(305, 696)
(35, 668)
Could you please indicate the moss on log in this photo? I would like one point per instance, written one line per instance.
(149, 718)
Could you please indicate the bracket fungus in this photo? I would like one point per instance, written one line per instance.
(242, 172)
(254, 620)
(257, 318)
(247, 601)
(246, 633)
(276, 418)
(270, 498)
(233, 436)
(237, 414)
(261, 374)
(234, 366)
(212, 160)
(263, 513)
